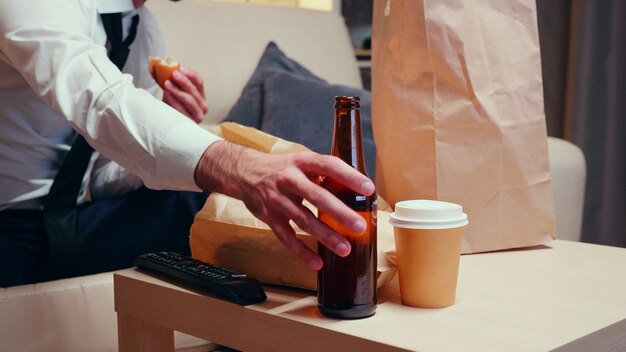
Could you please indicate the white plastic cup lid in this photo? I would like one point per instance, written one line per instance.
(428, 214)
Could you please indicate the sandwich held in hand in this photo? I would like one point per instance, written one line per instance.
(162, 69)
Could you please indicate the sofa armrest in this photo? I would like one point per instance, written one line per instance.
(569, 172)
(75, 314)
(70, 314)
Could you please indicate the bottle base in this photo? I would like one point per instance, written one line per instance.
(354, 312)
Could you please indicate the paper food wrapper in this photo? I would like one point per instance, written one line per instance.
(458, 115)
(225, 233)
(253, 138)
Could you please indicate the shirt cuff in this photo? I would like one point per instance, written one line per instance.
(180, 153)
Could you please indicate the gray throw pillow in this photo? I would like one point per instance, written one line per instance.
(301, 110)
(248, 109)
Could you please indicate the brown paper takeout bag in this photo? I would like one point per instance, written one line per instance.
(225, 233)
(458, 115)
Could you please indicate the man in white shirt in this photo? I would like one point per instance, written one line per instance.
(56, 78)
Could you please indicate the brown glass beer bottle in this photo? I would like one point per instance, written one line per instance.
(347, 285)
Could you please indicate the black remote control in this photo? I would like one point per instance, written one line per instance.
(225, 283)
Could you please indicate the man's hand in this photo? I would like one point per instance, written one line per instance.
(185, 93)
(274, 186)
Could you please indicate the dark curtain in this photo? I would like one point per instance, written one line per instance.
(583, 51)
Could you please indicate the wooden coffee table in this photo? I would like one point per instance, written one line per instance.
(564, 296)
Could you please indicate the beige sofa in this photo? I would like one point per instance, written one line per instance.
(223, 42)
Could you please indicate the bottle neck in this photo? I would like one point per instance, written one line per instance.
(347, 139)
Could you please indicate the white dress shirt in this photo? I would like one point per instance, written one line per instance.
(55, 75)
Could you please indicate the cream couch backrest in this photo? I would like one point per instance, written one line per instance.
(224, 49)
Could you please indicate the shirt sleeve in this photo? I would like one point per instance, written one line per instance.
(109, 180)
(51, 43)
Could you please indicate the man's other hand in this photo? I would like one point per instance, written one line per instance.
(185, 93)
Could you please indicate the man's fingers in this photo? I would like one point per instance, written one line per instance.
(308, 222)
(287, 236)
(294, 181)
(178, 98)
(333, 167)
(195, 79)
(191, 84)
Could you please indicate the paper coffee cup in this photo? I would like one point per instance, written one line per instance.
(428, 248)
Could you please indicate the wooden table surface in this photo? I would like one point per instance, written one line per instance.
(565, 296)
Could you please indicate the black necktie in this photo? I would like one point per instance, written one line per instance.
(66, 245)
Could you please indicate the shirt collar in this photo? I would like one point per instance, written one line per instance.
(113, 6)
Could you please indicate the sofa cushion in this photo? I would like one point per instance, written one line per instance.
(300, 109)
(248, 109)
